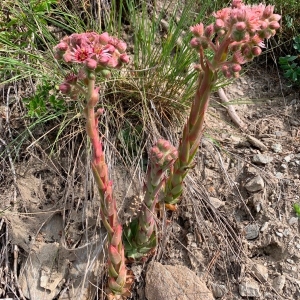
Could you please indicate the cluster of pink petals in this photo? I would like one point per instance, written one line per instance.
(241, 28)
(95, 51)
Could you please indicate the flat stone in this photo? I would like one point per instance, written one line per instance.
(218, 290)
(255, 184)
(249, 288)
(260, 272)
(215, 202)
(278, 283)
(251, 231)
(293, 220)
(174, 283)
(262, 159)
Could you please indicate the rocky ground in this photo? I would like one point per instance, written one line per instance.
(234, 236)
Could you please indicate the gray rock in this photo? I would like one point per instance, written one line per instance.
(260, 272)
(279, 175)
(218, 290)
(293, 220)
(181, 283)
(262, 159)
(277, 148)
(251, 231)
(278, 283)
(255, 184)
(249, 288)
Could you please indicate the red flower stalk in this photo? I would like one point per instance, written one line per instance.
(97, 54)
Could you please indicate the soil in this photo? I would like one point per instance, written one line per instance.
(235, 226)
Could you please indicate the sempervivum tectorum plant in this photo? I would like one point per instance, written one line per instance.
(97, 54)
(235, 37)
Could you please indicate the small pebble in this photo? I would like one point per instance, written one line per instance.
(251, 231)
(264, 227)
(290, 261)
(293, 220)
(277, 148)
(288, 158)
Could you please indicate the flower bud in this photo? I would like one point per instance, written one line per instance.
(263, 25)
(103, 38)
(237, 3)
(240, 26)
(209, 30)
(274, 25)
(71, 78)
(275, 17)
(236, 68)
(241, 15)
(65, 88)
(124, 58)
(219, 24)
(109, 48)
(67, 57)
(106, 73)
(268, 11)
(226, 72)
(197, 30)
(121, 46)
(256, 51)
(112, 63)
(103, 59)
(238, 58)
(62, 46)
(91, 64)
(195, 43)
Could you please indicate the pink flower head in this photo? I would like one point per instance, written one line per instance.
(81, 54)
(197, 30)
(223, 14)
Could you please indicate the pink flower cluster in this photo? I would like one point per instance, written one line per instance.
(240, 29)
(95, 51)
